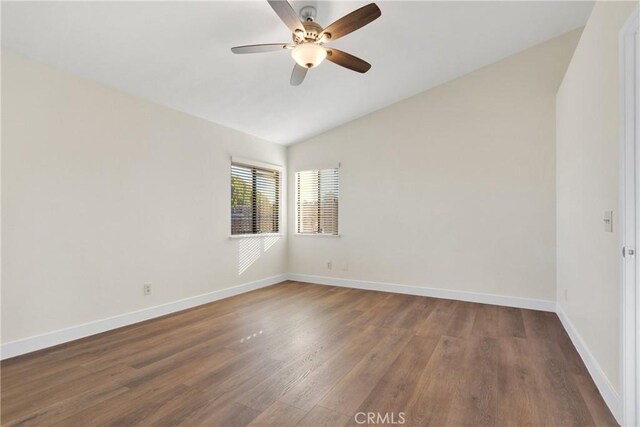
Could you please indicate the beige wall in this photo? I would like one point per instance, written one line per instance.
(587, 185)
(102, 192)
(453, 188)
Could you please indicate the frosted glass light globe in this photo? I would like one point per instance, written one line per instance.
(309, 55)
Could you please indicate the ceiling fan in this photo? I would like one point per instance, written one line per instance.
(309, 38)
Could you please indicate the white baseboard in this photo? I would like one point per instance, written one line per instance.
(529, 303)
(609, 394)
(38, 342)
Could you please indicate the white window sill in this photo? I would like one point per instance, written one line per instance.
(255, 236)
(316, 235)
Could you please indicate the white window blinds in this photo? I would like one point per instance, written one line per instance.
(255, 200)
(317, 193)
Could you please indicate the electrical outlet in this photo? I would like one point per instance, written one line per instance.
(329, 265)
(608, 221)
(147, 288)
(345, 266)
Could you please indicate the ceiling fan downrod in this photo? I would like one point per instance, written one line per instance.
(308, 13)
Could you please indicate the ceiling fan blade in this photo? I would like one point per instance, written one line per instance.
(351, 22)
(284, 10)
(259, 48)
(298, 74)
(347, 60)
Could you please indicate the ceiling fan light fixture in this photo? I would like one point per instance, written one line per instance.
(309, 54)
(309, 37)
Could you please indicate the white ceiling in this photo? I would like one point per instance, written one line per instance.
(177, 53)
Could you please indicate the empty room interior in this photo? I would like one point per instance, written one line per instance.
(319, 213)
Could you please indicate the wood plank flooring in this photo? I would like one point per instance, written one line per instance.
(312, 355)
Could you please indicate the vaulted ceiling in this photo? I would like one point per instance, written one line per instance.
(177, 53)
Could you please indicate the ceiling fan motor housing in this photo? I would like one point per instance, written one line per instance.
(312, 32)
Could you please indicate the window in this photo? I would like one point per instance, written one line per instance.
(255, 199)
(317, 194)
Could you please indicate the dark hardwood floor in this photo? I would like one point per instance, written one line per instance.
(301, 354)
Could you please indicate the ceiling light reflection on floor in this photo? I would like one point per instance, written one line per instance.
(254, 335)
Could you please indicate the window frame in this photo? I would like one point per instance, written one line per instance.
(295, 207)
(238, 161)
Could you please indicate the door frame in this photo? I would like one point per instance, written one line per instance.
(629, 218)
